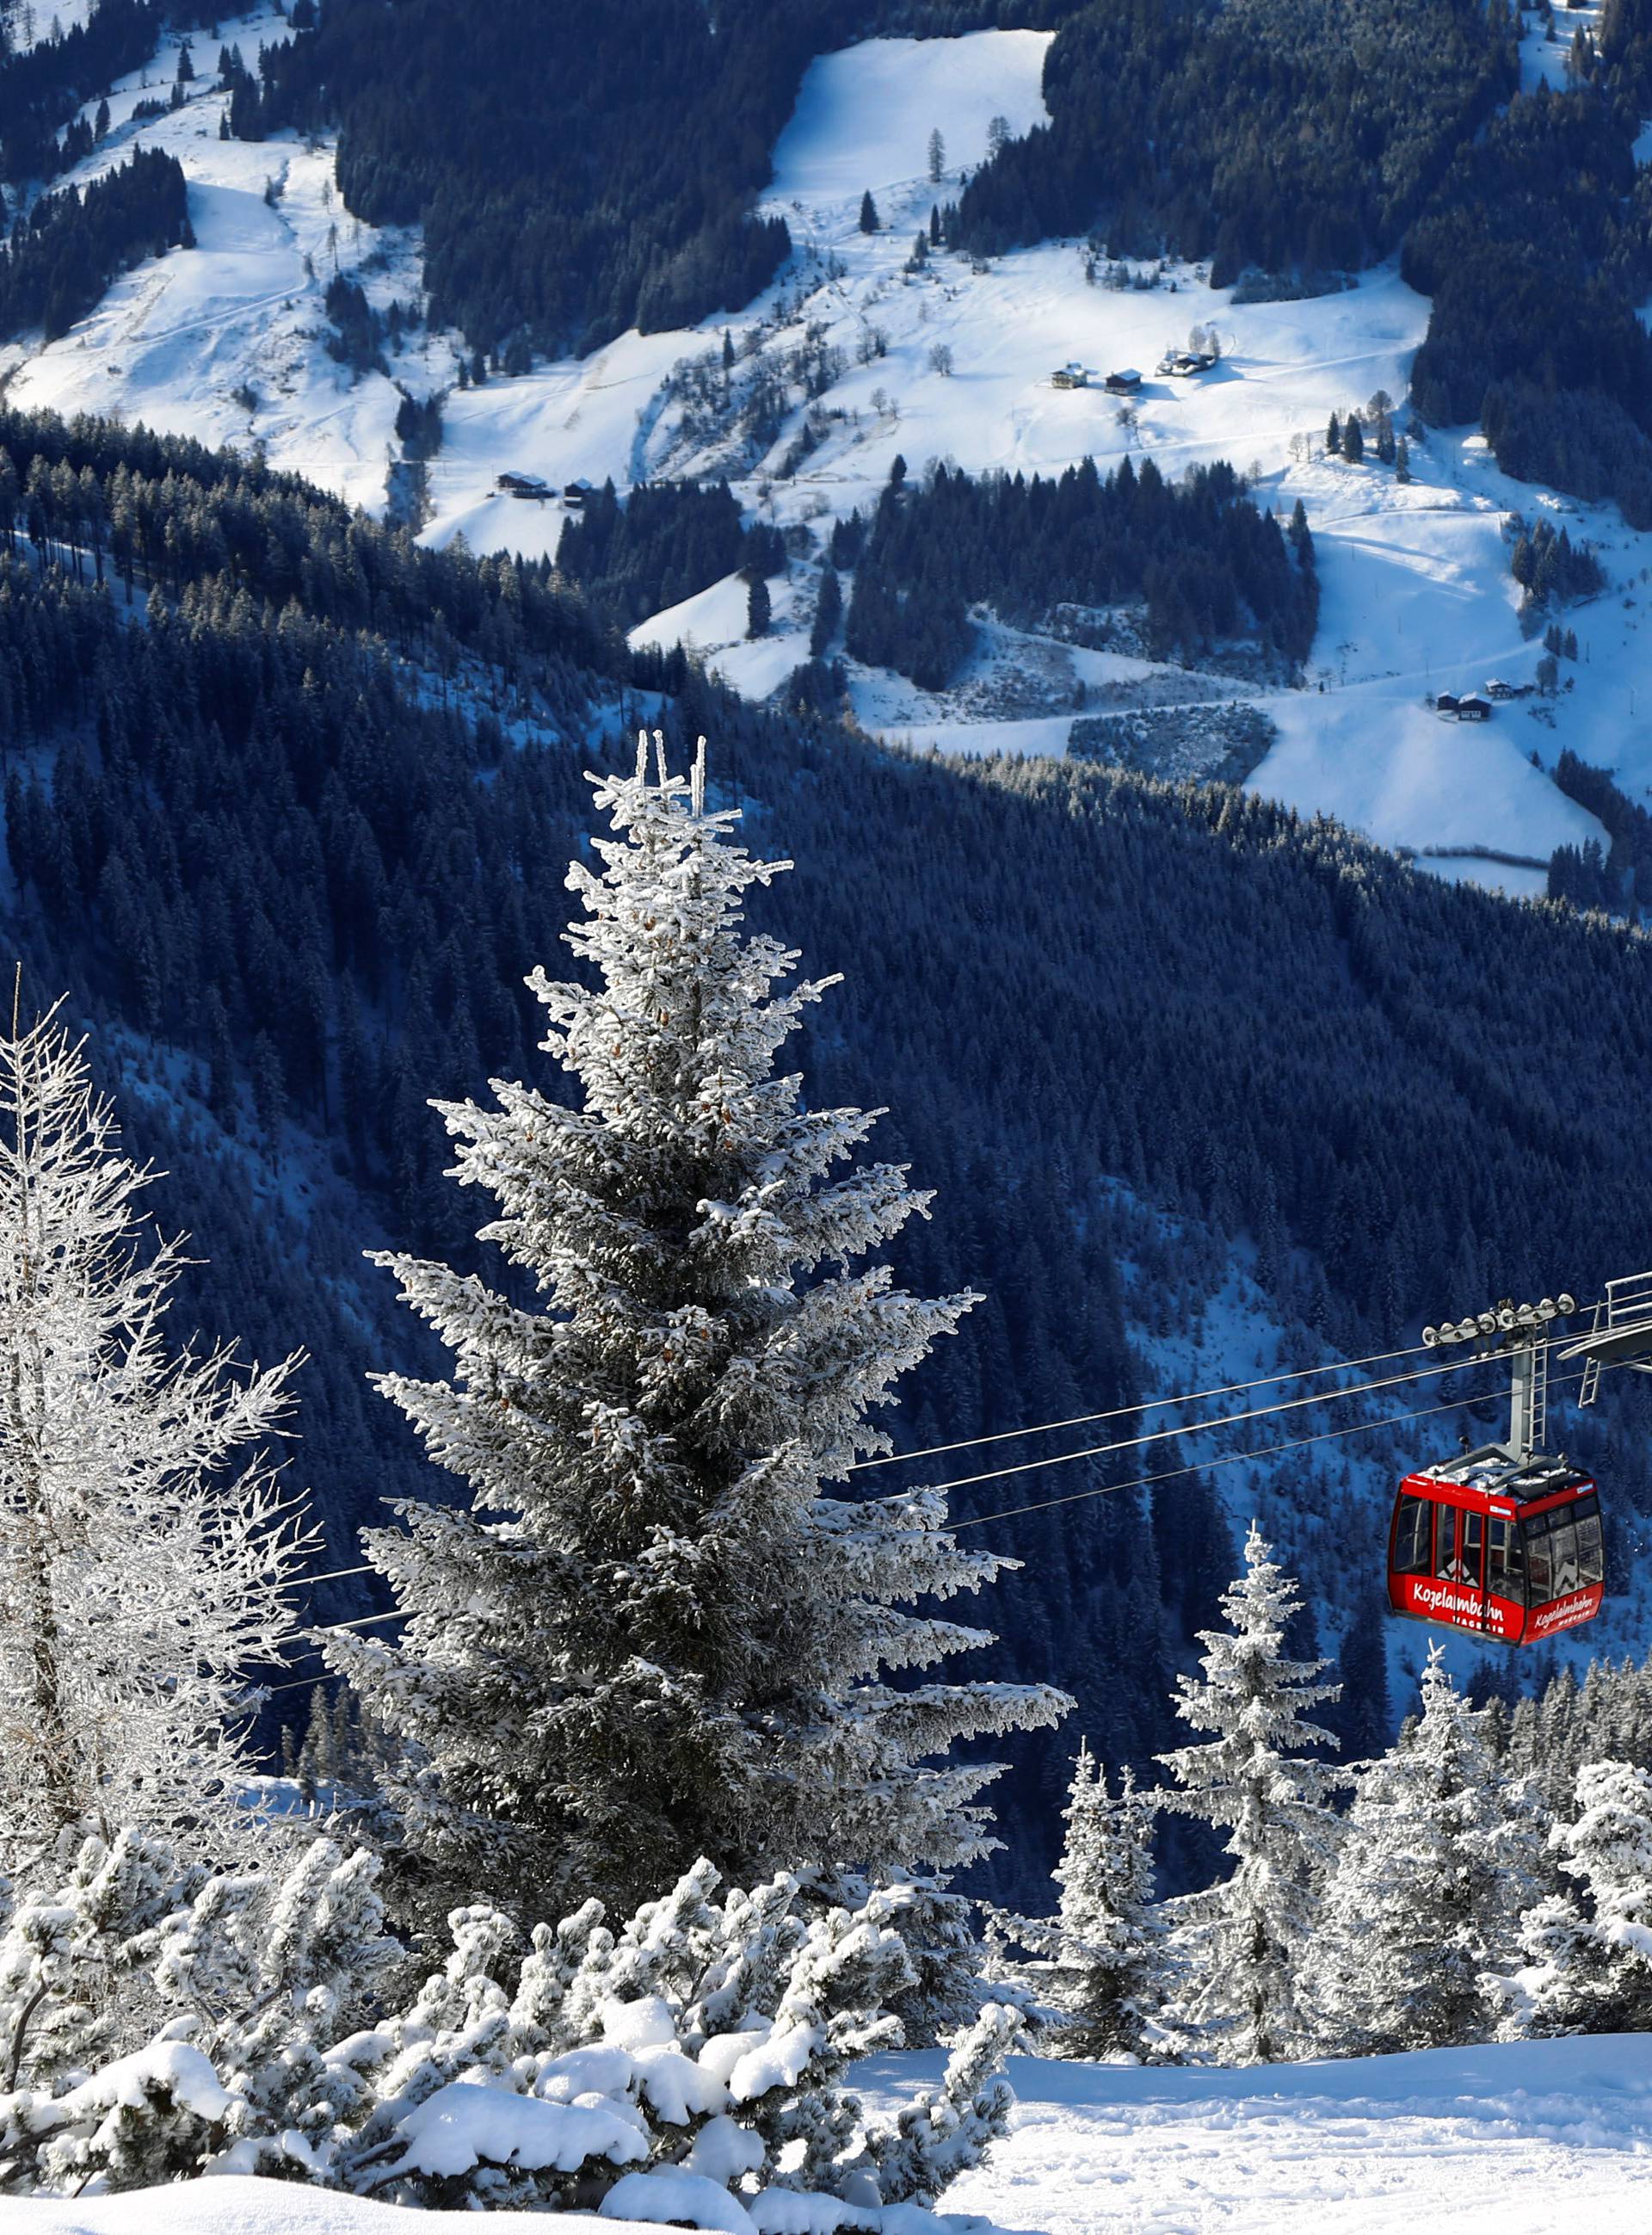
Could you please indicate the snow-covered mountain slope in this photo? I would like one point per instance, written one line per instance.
(954, 361)
(227, 340)
(1417, 595)
(1536, 2137)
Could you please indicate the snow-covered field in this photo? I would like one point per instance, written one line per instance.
(227, 342)
(1538, 2137)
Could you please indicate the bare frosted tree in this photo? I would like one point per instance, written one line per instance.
(146, 1541)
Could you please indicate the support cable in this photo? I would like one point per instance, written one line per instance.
(1229, 1458)
(1144, 1405)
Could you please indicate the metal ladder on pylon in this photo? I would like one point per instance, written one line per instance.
(1621, 1334)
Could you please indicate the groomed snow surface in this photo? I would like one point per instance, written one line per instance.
(1539, 2137)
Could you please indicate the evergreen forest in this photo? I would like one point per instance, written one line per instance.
(1206, 566)
(60, 261)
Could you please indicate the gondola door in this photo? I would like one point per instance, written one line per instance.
(1459, 1560)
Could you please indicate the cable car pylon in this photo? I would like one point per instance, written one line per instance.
(1505, 1540)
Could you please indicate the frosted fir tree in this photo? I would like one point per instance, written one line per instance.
(1440, 1857)
(1102, 1970)
(1241, 1943)
(146, 1542)
(1588, 1955)
(651, 1635)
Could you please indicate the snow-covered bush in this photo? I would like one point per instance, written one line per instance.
(689, 2067)
(158, 2019)
(75, 1985)
(1588, 1955)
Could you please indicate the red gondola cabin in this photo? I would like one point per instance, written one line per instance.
(1508, 1548)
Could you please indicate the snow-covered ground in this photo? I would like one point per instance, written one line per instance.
(1538, 2137)
(227, 340)
(28, 26)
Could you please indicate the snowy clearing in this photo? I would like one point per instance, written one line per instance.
(865, 115)
(1531, 2138)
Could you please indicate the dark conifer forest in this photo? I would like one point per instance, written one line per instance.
(60, 262)
(1208, 565)
(667, 541)
(610, 184)
(1270, 135)
(287, 801)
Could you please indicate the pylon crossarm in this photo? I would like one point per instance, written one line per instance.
(1621, 1334)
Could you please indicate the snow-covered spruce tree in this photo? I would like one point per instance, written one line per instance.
(1588, 1965)
(141, 1573)
(1438, 1860)
(651, 1636)
(1240, 1944)
(1102, 1968)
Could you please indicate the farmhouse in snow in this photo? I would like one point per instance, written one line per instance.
(1123, 383)
(1070, 376)
(523, 485)
(1469, 709)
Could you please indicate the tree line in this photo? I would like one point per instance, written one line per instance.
(43, 86)
(665, 543)
(1488, 1879)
